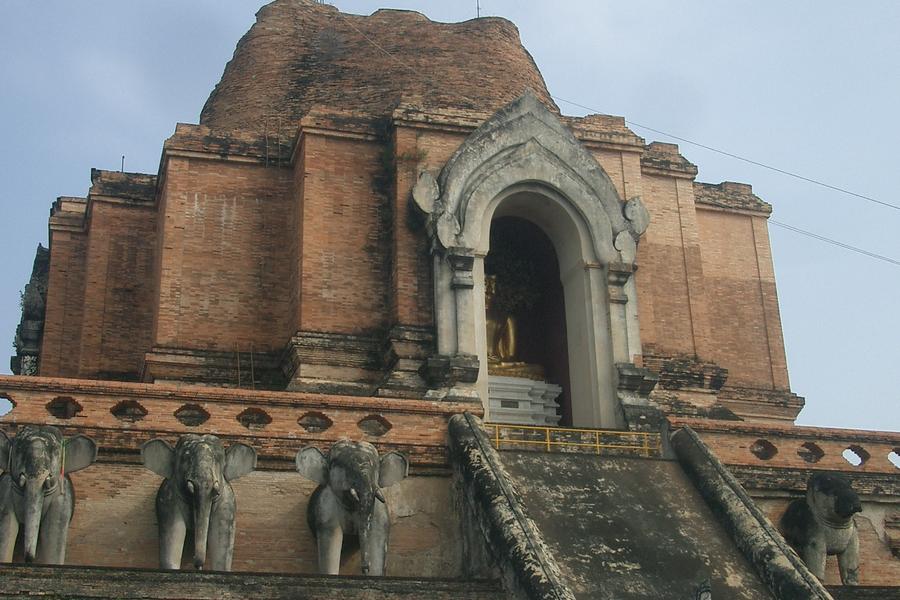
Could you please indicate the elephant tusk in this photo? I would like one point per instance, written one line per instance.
(380, 496)
(354, 495)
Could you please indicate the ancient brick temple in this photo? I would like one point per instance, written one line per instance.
(343, 247)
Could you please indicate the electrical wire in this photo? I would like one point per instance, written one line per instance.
(828, 240)
(741, 158)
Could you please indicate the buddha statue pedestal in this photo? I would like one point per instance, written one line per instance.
(522, 401)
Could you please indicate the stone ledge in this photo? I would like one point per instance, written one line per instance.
(792, 482)
(137, 187)
(731, 196)
(863, 592)
(417, 427)
(57, 583)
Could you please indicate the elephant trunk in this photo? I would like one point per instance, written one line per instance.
(34, 505)
(367, 497)
(202, 509)
(365, 530)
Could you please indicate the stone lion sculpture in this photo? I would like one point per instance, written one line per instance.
(821, 524)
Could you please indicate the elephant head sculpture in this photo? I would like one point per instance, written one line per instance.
(36, 493)
(348, 501)
(196, 496)
(821, 524)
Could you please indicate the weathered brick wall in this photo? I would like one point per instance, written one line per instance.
(668, 267)
(740, 285)
(117, 302)
(65, 290)
(302, 54)
(416, 150)
(345, 237)
(115, 523)
(224, 268)
(251, 250)
(295, 238)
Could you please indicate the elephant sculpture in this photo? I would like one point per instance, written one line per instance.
(348, 501)
(821, 524)
(196, 496)
(36, 493)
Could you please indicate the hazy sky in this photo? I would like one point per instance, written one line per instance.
(810, 87)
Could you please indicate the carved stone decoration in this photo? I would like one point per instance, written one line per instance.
(196, 496)
(525, 162)
(36, 494)
(638, 216)
(425, 192)
(31, 326)
(626, 246)
(821, 524)
(523, 401)
(349, 501)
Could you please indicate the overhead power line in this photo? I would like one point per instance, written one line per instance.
(828, 240)
(710, 148)
(741, 158)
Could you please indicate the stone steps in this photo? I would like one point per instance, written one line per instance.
(81, 583)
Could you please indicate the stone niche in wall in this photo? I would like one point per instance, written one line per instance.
(523, 163)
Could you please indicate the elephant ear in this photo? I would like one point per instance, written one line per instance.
(312, 464)
(159, 457)
(5, 445)
(240, 459)
(394, 468)
(80, 452)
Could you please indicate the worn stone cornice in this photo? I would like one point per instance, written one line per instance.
(664, 159)
(730, 196)
(789, 431)
(792, 482)
(199, 393)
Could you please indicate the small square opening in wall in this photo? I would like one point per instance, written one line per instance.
(254, 418)
(374, 425)
(63, 407)
(856, 455)
(315, 422)
(763, 449)
(894, 457)
(810, 452)
(129, 410)
(6, 404)
(191, 415)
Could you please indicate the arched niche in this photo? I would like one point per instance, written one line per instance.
(523, 162)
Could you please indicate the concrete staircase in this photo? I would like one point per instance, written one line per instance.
(623, 528)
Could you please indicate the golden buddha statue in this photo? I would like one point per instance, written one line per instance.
(500, 332)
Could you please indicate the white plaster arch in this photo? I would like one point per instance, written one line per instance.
(524, 162)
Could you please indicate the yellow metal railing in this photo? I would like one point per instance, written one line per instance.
(586, 441)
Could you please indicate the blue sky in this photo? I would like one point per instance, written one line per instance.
(809, 87)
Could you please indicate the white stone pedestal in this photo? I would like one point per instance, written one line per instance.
(522, 401)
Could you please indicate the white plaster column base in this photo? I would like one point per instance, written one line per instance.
(522, 401)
